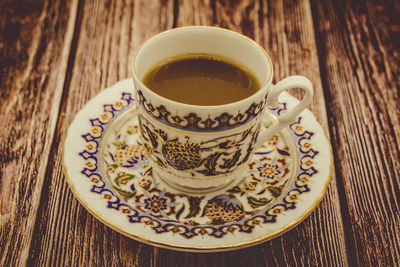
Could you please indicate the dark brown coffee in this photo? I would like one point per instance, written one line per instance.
(201, 79)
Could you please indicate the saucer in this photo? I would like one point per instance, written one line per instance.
(108, 172)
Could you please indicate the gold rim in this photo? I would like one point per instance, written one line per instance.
(192, 248)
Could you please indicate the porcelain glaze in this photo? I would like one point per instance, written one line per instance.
(199, 148)
(108, 170)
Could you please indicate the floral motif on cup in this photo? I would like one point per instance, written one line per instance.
(212, 157)
(129, 187)
(193, 122)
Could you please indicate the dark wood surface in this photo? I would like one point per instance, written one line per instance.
(56, 55)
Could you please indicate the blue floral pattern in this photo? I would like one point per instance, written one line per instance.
(128, 185)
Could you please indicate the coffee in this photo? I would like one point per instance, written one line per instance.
(201, 79)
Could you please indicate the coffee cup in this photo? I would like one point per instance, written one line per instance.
(201, 148)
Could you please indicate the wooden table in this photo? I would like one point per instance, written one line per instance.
(56, 55)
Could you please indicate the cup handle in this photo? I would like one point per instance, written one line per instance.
(287, 118)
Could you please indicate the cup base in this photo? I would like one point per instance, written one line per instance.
(201, 186)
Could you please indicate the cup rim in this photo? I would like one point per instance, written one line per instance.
(190, 106)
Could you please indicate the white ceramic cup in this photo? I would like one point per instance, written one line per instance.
(201, 148)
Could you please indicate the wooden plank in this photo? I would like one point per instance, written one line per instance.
(285, 28)
(199, 13)
(106, 36)
(34, 48)
(359, 55)
(67, 234)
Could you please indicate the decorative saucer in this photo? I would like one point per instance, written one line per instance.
(107, 170)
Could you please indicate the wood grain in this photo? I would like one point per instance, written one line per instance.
(360, 61)
(56, 55)
(106, 35)
(34, 44)
(285, 29)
